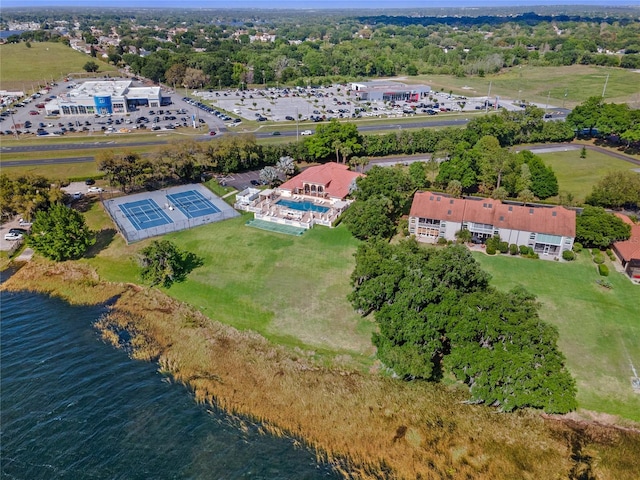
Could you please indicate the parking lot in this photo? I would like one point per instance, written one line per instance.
(232, 108)
(288, 104)
(28, 118)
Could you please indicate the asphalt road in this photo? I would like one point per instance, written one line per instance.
(111, 144)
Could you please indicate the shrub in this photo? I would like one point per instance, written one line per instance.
(577, 247)
(403, 226)
(595, 251)
(442, 241)
(603, 270)
(568, 255)
(503, 247)
(610, 254)
(524, 249)
(491, 249)
(598, 258)
(513, 249)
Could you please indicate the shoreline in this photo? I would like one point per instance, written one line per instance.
(366, 426)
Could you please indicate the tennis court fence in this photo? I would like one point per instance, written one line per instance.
(132, 235)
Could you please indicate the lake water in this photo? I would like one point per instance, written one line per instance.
(74, 407)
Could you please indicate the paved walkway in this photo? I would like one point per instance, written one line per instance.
(25, 256)
(233, 192)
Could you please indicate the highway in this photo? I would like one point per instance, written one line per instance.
(111, 144)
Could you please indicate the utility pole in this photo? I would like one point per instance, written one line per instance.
(297, 125)
(604, 89)
(546, 107)
(486, 103)
(566, 90)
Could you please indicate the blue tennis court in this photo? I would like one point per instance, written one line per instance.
(144, 214)
(192, 204)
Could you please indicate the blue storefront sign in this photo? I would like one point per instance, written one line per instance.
(103, 105)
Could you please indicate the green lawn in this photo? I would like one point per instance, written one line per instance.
(291, 290)
(599, 328)
(23, 68)
(536, 84)
(578, 175)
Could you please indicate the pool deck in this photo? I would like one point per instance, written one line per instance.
(266, 208)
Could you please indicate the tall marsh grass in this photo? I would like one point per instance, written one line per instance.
(366, 425)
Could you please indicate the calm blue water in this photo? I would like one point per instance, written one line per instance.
(304, 206)
(74, 407)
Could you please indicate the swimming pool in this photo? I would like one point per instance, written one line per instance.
(302, 206)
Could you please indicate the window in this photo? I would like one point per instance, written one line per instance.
(553, 214)
(431, 198)
(501, 218)
(448, 212)
(451, 201)
(491, 205)
(437, 199)
(511, 209)
(531, 211)
(532, 236)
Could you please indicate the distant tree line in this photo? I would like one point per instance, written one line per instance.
(319, 48)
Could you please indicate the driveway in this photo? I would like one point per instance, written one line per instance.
(5, 245)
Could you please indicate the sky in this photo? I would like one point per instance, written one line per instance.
(305, 4)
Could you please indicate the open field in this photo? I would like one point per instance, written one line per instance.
(292, 292)
(578, 175)
(599, 329)
(535, 84)
(288, 289)
(23, 68)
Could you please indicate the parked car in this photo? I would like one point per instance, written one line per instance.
(94, 190)
(306, 132)
(255, 182)
(19, 231)
(89, 181)
(76, 195)
(12, 236)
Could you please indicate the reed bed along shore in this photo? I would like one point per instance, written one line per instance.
(367, 425)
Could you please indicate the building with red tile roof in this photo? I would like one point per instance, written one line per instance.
(331, 180)
(628, 251)
(317, 196)
(548, 230)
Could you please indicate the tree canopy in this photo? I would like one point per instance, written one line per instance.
(615, 190)
(595, 227)
(60, 233)
(163, 263)
(437, 313)
(381, 197)
(341, 139)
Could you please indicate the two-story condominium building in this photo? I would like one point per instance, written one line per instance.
(549, 230)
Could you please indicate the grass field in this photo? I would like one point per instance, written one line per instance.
(291, 290)
(23, 68)
(535, 84)
(578, 175)
(599, 328)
